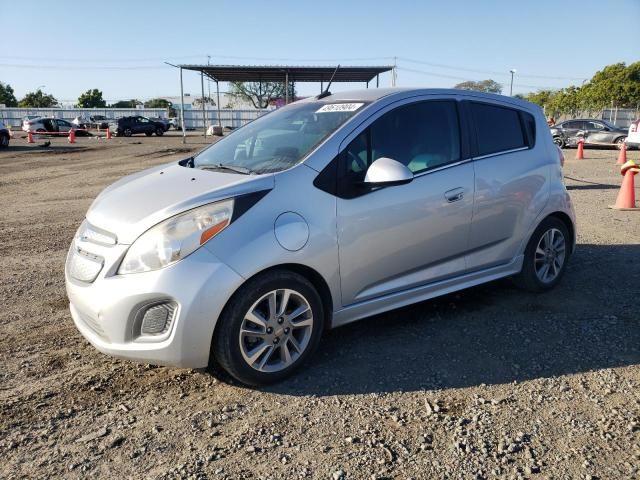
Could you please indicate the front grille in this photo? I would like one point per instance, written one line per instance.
(84, 266)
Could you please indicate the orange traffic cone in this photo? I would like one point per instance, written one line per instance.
(580, 152)
(627, 195)
(30, 137)
(622, 156)
(72, 136)
(108, 133)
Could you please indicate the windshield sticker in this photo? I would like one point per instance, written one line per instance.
(339, 107)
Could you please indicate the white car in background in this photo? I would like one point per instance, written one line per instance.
(633, 137)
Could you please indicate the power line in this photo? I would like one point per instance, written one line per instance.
(84, 67)
(487, 72)
(453, 77)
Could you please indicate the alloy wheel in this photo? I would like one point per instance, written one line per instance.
(550, 255)
(276, 330)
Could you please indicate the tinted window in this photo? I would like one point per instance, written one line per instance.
(594, 126)
(573, 125)
(498, 128)
(422, 136)
(530, 128)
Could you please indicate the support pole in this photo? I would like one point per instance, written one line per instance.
(321, 87)
(377, 80)
(286, 88)
(184, 133)
(204, 115)
(367, 84)
(218, 95)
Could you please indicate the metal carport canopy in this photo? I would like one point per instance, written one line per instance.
(276, 73)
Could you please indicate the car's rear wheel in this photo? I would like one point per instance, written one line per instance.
(148, 134)
(545, 257)
(4, 140)
(559, 141)
(269, 328)
(159, 131)
(127, 132)
(620, 141)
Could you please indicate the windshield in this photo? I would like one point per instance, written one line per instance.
(277, 140)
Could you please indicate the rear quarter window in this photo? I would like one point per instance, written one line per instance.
(500, 129)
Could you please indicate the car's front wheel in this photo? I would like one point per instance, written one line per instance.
(546, 255)
(269, 328)
(620, 142)
(559, 141)
(127, 132)
(4, 140)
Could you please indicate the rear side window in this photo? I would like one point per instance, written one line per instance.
(498, 128)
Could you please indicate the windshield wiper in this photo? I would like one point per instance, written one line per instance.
(231, 168)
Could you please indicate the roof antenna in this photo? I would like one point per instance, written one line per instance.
(326, 92)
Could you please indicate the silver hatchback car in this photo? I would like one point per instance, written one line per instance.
(320, 213)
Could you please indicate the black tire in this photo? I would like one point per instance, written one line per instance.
(159, 131)
(528, 278)
(127, 132)
(559, 141)
(619, 142)
(148, 134)
(4, 140)
(225, 346)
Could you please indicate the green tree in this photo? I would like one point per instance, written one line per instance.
(91, 99)
(7, 96)
(615, 85)
(158, 103)
(261, 94)
(161, 103)
(133, 103)
(490, 86)
(38, 99)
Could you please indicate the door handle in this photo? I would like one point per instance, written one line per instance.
(454, 194)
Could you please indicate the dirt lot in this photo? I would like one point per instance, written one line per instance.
(486, 383)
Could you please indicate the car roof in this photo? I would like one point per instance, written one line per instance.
(376, 94)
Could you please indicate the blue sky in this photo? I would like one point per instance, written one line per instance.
(119, 46)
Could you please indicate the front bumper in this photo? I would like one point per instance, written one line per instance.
(104, 311)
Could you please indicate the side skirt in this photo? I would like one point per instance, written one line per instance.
(382, 304)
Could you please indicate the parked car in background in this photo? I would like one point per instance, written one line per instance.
(175, 123)
(595, 132)
(49, 125)
(133, 125)
(94, 121)
(321, 213)
(633, 136)
(5, 135)
(163, 121)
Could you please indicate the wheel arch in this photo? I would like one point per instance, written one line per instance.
(317, 280)
(564, 218)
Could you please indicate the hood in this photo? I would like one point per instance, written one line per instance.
(135, 203)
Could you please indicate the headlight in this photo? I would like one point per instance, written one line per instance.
(176, 237)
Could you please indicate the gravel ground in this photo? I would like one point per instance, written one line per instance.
(486, 383)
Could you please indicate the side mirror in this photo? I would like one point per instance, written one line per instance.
(385, 172)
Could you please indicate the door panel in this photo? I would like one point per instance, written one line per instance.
(401, 237)
(599, 134)
(511, 189)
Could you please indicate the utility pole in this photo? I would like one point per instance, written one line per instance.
(208, 79)
(394, 74)
(512, 71)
